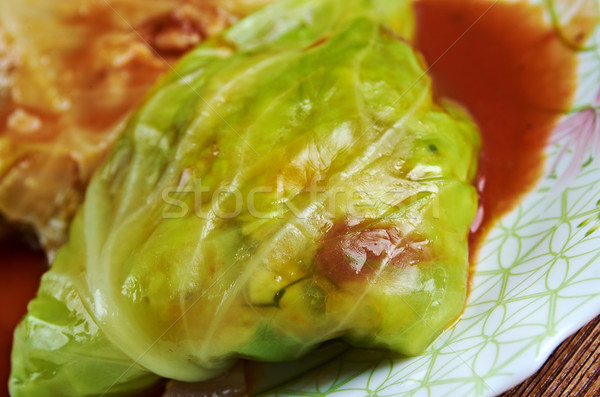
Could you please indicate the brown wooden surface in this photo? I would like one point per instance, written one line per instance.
(572, 370)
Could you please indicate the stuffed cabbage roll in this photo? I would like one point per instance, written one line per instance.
(71, 73)
(291, 182)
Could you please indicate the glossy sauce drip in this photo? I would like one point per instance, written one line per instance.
(516, 77)
(357, 251)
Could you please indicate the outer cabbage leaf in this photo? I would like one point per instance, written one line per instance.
(291, 182)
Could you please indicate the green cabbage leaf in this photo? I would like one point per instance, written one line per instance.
(290, 182)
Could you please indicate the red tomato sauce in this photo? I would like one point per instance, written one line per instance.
(515, 75)
(20, 272)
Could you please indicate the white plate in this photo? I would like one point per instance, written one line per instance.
(537, 281)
